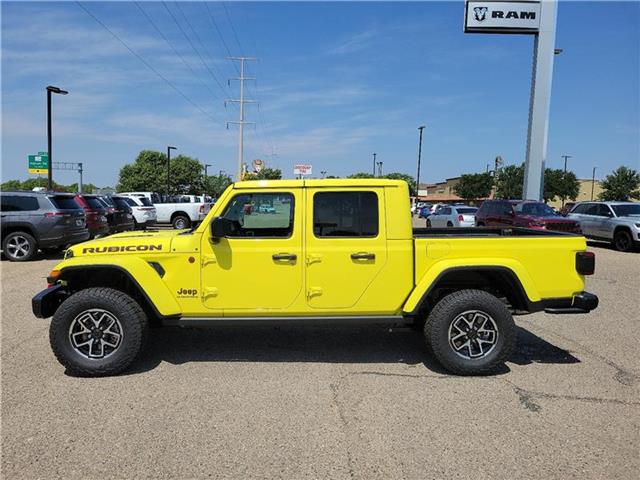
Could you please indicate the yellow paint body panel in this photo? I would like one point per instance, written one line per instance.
(239, 276)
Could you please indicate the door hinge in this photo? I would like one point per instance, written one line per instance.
(210, 292)
(206, 259)
(313, 258)
(313, 292)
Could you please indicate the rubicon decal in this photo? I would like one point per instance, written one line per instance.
(122, 248)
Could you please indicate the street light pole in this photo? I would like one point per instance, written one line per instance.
(374, 164)
(420, 128)
(206, 165)
(51, 89)
(169, 166)
(593, 181)
(323, 173)
(565, 161)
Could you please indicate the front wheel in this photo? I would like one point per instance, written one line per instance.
(98, 331)
(622, 241)
(470, 332)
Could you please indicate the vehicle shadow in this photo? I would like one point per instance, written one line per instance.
(38, 256)
(362, 345)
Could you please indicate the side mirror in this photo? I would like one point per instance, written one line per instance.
(219, 228)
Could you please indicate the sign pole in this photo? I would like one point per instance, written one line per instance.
(543, 53)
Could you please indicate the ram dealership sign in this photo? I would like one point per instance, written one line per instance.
(502, 17)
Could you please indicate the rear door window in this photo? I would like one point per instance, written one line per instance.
(65, 202)
(345, 214)
(19, 203)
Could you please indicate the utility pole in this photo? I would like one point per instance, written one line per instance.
(241, 123)
(374, 164)
(51, 89)
(593, 181)
(169, 166)
(420, 129)
(80, 172)
(565, 161)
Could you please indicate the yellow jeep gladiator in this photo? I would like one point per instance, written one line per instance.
(312, 251)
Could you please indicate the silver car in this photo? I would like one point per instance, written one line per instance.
(453, 216)
(615, 222)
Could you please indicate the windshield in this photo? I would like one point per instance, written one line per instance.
(626, 210)
(94, 203)
(467, 210)
(64, 202)
(535, 209)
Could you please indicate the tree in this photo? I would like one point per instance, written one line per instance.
(623, 184)
(509, 182)
(473, 186)
(560, 184)
(407, 178)
(265, 174)
(361, 175)
(149, 173)
(11, 185)
(214, 185)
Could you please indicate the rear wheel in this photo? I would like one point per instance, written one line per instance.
(480, 224)
(622, 241)
(449, 224)
(98, 331)
(428, 223)
(470, 332)
(180, 222)
(19, 246)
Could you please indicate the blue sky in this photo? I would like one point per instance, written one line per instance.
(336, 82)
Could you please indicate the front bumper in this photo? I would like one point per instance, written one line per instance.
(584, 302)
(45, 303)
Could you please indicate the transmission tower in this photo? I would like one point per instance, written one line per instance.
(241, 123)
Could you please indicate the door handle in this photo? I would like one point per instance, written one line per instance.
(363, 256)
(284, 256)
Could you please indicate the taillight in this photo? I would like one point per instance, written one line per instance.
(56, 214)
(585, 263)
(460, 218)
(201, 208)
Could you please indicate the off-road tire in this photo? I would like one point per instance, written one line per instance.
(436, 331)
(178, 219)
(622, 241)
(20, 237)
(132, 318)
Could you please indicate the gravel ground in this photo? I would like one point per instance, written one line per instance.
(309, 402)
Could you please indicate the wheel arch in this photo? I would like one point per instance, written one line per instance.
(151, 293)
(501, 281)
(22, 227)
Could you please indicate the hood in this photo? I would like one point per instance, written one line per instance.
(126, 243)
(630, 218)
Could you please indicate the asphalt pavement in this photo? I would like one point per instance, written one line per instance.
(313, 402)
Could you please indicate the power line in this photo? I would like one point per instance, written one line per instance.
(193, 46)
(147, 64)
(195, 34)
(174, 50)
(215, 25)
(235, 34)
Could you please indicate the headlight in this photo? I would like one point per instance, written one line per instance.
(638, 225)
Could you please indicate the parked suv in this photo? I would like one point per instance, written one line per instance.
(96, 212)
(119, 215)
(523, 213)
(143, 211)
(616, 222)
(32, 220)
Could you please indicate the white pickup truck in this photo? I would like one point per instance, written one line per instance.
(187, 211)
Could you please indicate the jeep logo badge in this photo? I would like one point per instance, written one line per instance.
(480, 13)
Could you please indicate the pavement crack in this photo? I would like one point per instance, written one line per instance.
(344, 422)
(406, 375)
(527, 398)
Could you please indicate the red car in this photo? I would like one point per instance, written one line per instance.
(95, 213)
(523, 213)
